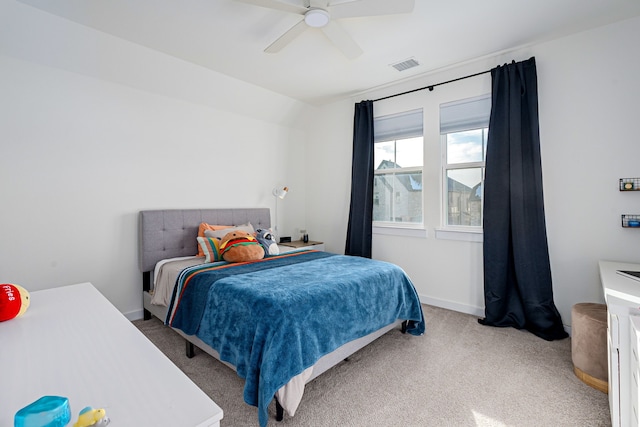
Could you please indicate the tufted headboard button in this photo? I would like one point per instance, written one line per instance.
(157, 225)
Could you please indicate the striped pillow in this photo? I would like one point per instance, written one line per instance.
(210, 247)
(204, 226)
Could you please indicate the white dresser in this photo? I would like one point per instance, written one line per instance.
(72, 342)
(622, 296)
(635, 369)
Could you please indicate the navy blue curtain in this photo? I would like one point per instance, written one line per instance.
(517, 274)
(361, 209)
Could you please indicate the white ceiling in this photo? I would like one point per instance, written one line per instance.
(229, 36)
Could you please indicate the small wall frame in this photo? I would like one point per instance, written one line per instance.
(630, 221)
(629, 184)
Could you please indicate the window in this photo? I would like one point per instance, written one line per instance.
(398, 161)
(464, 127)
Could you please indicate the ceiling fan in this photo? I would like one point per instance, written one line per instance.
(322, 14)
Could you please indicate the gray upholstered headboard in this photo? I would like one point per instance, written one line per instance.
(172, 233)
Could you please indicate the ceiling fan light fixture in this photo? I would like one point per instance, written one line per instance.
(317, 18)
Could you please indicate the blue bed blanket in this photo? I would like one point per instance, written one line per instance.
(274, 318)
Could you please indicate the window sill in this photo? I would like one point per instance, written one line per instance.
(461, 235)
(400, 231)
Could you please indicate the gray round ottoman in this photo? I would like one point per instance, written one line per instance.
(589, 344)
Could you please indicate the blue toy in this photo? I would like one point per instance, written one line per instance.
(48, 411)
(268, 242)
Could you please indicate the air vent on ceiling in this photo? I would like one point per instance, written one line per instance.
(406, 64)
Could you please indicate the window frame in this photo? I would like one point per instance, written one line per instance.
(393, 227)
(446, 167)
(469, 119)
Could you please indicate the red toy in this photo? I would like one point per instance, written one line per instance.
(14, 301)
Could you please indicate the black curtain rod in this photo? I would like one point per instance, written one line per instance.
(430, 87)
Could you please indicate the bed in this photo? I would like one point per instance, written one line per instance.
(280, 321)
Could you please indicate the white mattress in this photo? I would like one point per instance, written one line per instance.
(165, 275)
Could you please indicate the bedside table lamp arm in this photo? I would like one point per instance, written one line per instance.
(278, 193)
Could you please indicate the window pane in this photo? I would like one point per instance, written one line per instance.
(402, 153)
(398, 197)
(397, 161)
(382, 191)
(465, 147)
(464, 197)
(409, 152)
(384, 155)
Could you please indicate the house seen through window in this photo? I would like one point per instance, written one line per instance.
(464, 127)
(398, 161)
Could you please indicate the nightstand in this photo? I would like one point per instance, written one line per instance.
(297, 245)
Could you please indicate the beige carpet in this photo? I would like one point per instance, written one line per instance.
(459, 373)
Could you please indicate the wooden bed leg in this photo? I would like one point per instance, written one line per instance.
(279, 411)
(146, 314)
(403, 328)
(190, 350)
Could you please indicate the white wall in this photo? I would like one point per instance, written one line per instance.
(589, 91)
(588, 99)
(85, 145)
(94, 129)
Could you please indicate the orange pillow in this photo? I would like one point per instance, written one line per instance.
(204, 226)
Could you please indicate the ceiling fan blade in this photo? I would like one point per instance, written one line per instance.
(342, 40)
(277, 5)
(358, 8)
(323, 4)
(287, 37)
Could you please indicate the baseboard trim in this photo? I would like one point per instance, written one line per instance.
(464, 308)
(134, 315)
(455, 306)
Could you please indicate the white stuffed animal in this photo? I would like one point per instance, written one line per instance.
(267, 241)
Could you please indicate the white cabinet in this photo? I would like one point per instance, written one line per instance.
(635, 371)
(622, 296)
